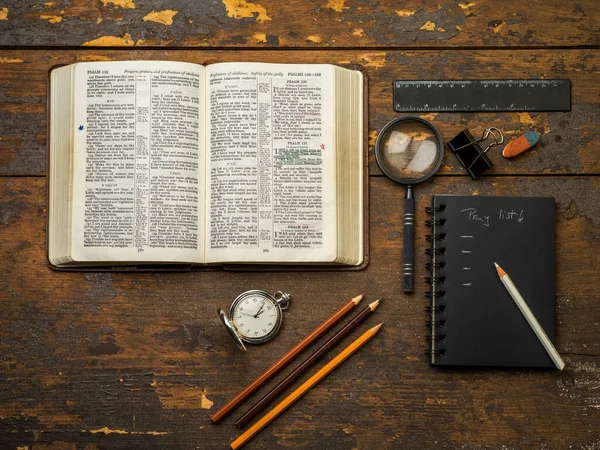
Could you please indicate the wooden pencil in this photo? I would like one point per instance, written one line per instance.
(285, 359)
(530, 317)
(308, 362)
(305, 387)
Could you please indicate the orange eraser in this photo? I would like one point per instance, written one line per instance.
(520, 144)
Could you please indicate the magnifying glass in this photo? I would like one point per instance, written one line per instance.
(409, 150)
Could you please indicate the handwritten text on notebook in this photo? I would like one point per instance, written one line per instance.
(484, 220)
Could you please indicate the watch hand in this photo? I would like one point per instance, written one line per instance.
(247, 313)
(259, 310)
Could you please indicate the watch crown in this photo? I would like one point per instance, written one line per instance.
(283, 298)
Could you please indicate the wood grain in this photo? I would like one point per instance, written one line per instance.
(299, 23)
(568, 143)
(127, 360)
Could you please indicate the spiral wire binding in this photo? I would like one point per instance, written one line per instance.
(435, 251)
(436, 279)
(437, 294)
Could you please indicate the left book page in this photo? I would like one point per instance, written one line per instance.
(138, 162)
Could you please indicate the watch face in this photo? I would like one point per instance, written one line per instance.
(256, 317)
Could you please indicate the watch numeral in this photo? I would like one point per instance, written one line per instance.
(270, 323)
(269, 308)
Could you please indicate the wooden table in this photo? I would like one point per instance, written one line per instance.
(127, 360)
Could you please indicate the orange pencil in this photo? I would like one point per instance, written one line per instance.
(305, 387)
(285, 359)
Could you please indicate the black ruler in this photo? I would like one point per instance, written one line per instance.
(482, 95)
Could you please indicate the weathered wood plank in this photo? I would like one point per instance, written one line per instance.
(569, 141)
(296, 23)
(136, 360)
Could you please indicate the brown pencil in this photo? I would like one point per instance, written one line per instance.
(285, 359)
(305, 387)
(308, 362)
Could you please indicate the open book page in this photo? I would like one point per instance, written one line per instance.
(270, 163)
(138, 186)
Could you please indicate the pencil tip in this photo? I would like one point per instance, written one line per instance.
(374, 305)
(357, 299)
(376, 328)
(496, 264)
(500, 271)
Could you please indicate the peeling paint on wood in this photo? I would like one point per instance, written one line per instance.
(106, 430)
(111, 41)
(51, 18)
(428, 26)
(4, 60)
(239, 9)
(225, 23)
(376, 60)
(336, 5)
(177, 396)
(406, 12)
(93, 58)
(165, 17)
(260, 38)
(126, 4)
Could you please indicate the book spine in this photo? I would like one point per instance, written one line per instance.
(436, 279)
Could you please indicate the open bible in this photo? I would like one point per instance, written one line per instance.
(155, 162)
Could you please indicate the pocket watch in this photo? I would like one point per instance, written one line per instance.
(255, 316)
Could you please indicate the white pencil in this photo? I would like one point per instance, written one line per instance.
(535, 325)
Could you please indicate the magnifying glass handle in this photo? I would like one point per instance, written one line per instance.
(409, 241)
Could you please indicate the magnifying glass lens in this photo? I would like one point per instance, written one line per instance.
(409, 150)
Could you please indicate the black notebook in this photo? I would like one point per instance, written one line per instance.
(474, 320)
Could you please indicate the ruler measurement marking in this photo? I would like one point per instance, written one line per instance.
(482, 95)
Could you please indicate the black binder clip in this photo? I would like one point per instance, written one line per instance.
(469, 152)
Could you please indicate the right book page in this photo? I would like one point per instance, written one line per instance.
(270, 163)
(475, 320)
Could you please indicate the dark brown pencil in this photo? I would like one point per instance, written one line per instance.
(266, 399)
(271, 371)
